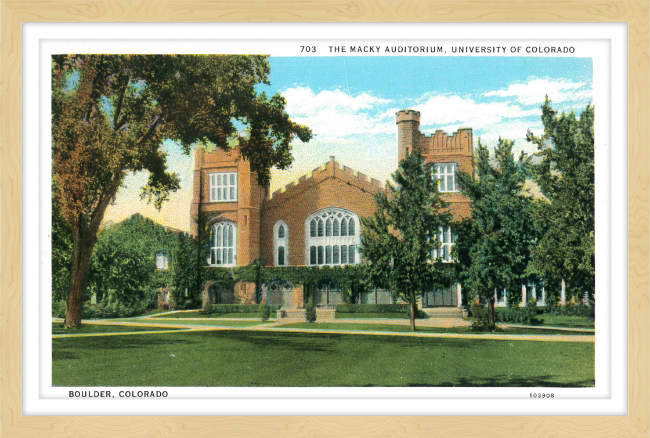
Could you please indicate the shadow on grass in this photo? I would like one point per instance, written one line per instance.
(501, 381)
(278, 341)
(507, 381)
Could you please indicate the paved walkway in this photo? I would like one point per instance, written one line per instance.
(278, 327)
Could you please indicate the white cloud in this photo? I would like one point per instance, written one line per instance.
(440, 110)
(336, 114)
(533, 91)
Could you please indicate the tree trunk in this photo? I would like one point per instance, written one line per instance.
(491, 312)
(412, 312)
(82, 252)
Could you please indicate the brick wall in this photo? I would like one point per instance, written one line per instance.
(331, 185)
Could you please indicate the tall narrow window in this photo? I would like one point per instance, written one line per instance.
(312, 228)
(446, 240)
(223, 187)
(281, 256)
(312, 256)
(224, 244)
(333, 237)
(281, 243)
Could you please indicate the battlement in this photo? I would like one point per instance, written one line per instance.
(331, 169)
(460, 142)
(407, 115)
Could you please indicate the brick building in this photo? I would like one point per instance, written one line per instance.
(314, 221)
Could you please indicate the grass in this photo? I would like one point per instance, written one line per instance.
(57, 329)
(386, 315)
(219, 322)
(247, 358)
(152, 312)
(566, 321)
(406, 328)
(185, 315)
(557, 321)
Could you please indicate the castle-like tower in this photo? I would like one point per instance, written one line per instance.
(226, 190)
(408, 132)
(449, 154)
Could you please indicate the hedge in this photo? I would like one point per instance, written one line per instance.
(100, 310)
(234, 308)
(372, 308)
(571, 310)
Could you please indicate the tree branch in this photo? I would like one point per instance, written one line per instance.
(118, 109)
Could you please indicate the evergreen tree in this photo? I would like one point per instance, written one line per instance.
(493, 247)
(566, 178)
(398, 242)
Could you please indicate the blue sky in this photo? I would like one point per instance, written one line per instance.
(350, 104)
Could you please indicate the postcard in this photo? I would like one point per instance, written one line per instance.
(361, 219)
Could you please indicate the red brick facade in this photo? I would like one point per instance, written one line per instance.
(256, 212)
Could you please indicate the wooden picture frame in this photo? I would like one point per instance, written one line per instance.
(14, 13)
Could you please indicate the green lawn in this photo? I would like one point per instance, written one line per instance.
(566, 321)
(217, 322)
(57, 329)
(196, 314)
(386, 315)
(406, 328)
(558, 321)
(247, 358)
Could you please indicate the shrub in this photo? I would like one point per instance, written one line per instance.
(59, 309)
(111, 310)
(372, 308)
(210, 309)
(572, 310)
(266, 311)
(482, 321)
(310, 313)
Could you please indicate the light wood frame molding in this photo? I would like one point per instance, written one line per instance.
(14, 13)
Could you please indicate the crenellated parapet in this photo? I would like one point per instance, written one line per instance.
(460, 142)
(331, 169)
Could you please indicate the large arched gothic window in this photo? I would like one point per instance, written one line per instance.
(281, 243)
(223, 251)
(332, 237)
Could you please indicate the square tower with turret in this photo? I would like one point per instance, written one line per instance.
(447, 154)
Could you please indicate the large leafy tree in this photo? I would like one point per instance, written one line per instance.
(123, 267)
(566, 178)
(399, 240)
(110, 114)
(493, 247)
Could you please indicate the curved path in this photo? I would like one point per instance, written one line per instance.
(278, 327)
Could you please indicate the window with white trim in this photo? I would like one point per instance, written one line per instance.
(332, 237)
(223, 251)
(445, 173)
(161, 261)
(223, 187)
(446, 239)
(281, 243)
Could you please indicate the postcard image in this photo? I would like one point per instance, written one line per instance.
(355, 215)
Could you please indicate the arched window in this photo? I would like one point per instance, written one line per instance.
(281, 244)
(333, 237)
(224, 244)
(312, 226)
